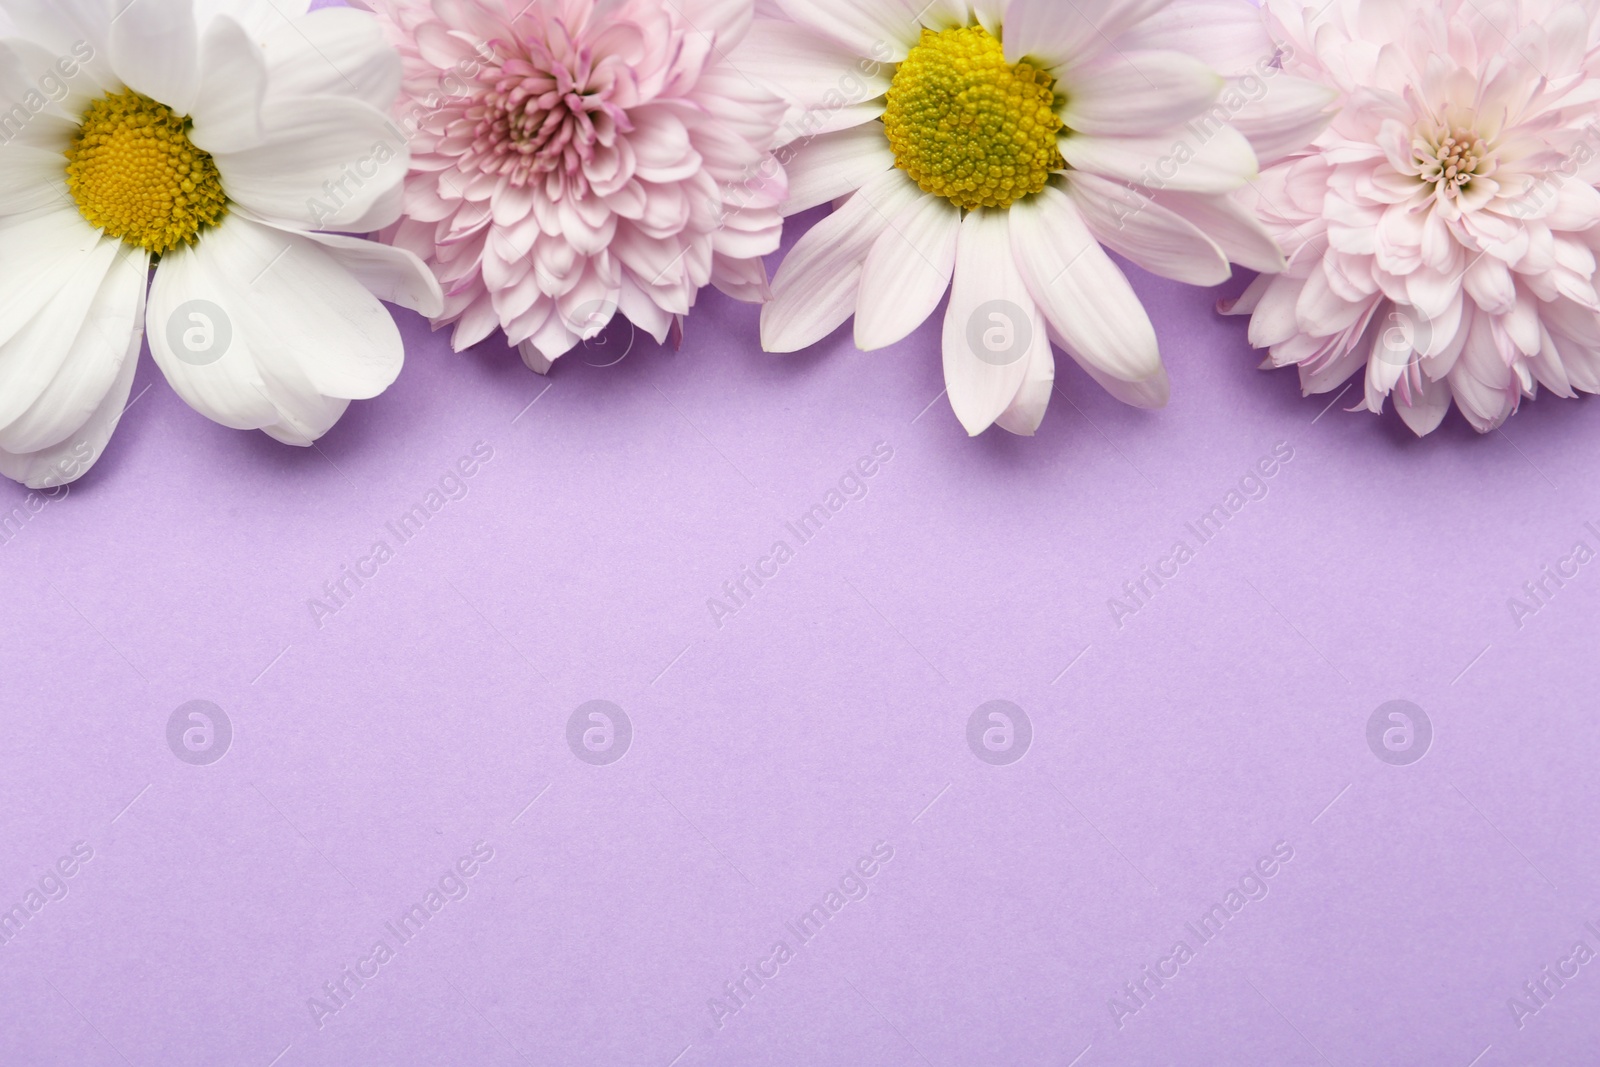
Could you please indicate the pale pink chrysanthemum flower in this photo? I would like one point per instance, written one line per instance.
(1442, 231)
(577, 159)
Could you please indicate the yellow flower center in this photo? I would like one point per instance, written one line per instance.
(970, 127)
(135, 174)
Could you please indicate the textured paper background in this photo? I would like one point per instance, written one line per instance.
(429, 713)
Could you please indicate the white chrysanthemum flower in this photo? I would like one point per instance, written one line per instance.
(213, 139)
(990, 148)
(1442, 231)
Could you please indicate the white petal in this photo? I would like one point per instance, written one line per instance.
(304, 415)
(812, 72)
(193, 313)
(992, 330)
(75, 347)
(71, 459)
(233, 87)
(816, 287)
(155, 50)
(1156, 238)
(989, 13)
(1152, 393)
(1061, 33)
(943, 14)
(726, 20)
(1137, 92)
(1026, 412)
(76, 32)
(880, 29)
(42, 87)
(384, 212)
(907, 272)
(817, 122)
(389, 273)
(1230, 36)
(1286, 117)
(1083, 294)
(1219, 163)
(38, 255)
(38, 351)
(333, 52)
(56, 24)
(284, 330)
(827, 167)
(325, 163)
(258, 17)
(30, 178)
(1237, 232)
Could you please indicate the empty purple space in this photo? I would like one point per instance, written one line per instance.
(1197, 718)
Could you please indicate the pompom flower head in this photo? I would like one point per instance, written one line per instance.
(573, 159)
(201, 137)
(1442, 231)
(993, 150)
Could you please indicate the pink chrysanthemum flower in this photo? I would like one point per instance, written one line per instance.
(1442, 231)
(576, 159)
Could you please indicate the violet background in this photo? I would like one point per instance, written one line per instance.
(1169, 754)
(827, 715)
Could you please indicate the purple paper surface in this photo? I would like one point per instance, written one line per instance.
(377, 731)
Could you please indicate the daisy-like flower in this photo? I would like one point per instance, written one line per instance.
(990, 148)
(577, 159)
(1442, 231)
(210, 139)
